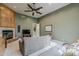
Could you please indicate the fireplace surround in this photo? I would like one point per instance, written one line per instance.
(7, 34)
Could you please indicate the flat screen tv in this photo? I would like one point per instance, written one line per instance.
(25, 31)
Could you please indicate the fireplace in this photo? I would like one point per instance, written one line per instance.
(7, 34)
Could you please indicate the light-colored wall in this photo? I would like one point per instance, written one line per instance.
(65, 23)
(25, 22)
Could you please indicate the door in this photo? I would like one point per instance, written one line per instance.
(36, 30)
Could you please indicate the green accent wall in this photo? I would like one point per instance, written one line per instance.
(25, 22)
(65, 22)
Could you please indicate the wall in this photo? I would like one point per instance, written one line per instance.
(65, 22)
(25, 22)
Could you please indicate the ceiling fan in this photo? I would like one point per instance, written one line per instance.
(33, 9)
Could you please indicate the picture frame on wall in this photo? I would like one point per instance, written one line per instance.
(48, 28)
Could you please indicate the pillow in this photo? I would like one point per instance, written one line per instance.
(58, 42)
(45, 37)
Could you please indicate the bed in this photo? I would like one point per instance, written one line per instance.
(56, 48)
(45, 46)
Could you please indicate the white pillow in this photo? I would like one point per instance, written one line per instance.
(45, 37)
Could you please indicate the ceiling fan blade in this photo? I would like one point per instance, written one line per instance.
(39, 8)
(38, 12)
(27, 10)
(30, 6)
(33, 14)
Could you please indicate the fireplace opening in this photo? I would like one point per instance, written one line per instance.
(7, 34)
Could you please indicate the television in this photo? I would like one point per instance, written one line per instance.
(25, 31)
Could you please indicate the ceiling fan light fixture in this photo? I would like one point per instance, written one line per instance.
(33, 9)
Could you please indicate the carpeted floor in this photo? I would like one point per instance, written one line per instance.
(12, 49)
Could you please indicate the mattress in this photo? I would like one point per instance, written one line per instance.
(53, 50)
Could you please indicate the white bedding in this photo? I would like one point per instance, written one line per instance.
(51, 52)
(55, 49)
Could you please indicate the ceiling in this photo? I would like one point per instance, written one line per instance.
(47, 8)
